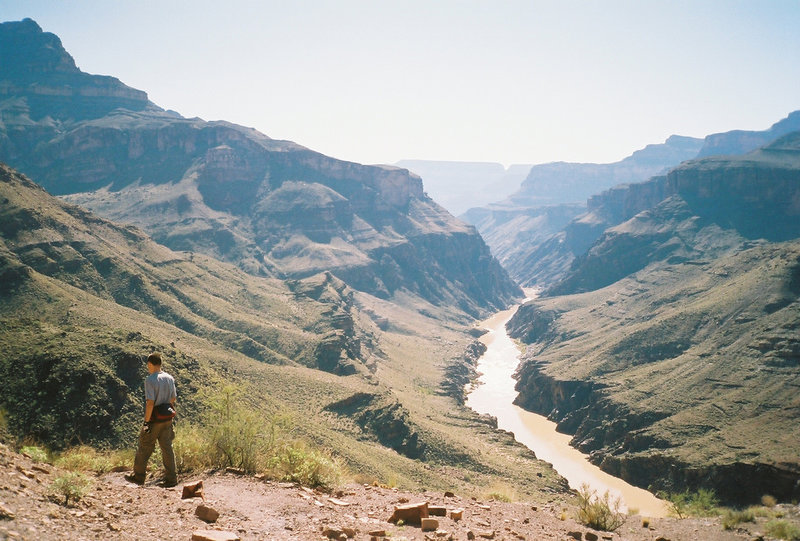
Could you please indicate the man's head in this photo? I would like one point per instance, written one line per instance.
(154, 362)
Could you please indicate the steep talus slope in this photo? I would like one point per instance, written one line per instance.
(670, 348)
(61, 265)
(271, 207)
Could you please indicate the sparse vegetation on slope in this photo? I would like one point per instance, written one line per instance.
(77, 339)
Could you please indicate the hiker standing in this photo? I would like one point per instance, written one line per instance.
(159, 392)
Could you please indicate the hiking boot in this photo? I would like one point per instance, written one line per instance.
(167, 484)
(130, 477)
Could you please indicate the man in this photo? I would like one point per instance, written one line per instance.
(159, 388)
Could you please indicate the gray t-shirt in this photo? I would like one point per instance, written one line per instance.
(160, 388)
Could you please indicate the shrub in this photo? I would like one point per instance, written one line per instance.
(72, 486)
(783, 530)
(36, 453)
(4, 433)
(702, 503)
(238, 435)
(191, 449)
(88, 459)
(299, 463)
(732, 518)
(768, 500)
(501, 493)
(599, 512)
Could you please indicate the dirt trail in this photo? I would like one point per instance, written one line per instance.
(256, 509)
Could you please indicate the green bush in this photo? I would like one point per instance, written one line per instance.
(599, 512)
(782, 529)
(732, 518)
(297, 462)
(192, 449)
(88, 459)
(36, 453)
(5, 436)
(72, 486)
(238, 435)
(702, 503)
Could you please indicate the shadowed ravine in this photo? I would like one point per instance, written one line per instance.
(494, 396)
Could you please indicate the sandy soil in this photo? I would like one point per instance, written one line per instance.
(255, 509)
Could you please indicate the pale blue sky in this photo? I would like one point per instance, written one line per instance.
(508, 81)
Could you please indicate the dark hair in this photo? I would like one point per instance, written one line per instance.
(154, 359)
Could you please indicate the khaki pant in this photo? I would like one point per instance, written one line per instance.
(163, 433)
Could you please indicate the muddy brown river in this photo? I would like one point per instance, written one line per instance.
(494, 395)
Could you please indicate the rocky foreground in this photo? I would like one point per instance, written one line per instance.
(234, 506)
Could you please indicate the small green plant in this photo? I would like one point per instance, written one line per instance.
(782, 529)
(37, 454)
(71, 486)
(768, 500)
(88, 459)
(599, 512)
(297, 462)
(191, 449)
(702, 503)
(501, 493)
(732, 518)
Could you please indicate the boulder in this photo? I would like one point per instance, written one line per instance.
(206, 513)
(429, 524)
(411, 513)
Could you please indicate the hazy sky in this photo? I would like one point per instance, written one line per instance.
(508, 81)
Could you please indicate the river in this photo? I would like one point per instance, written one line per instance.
(494, 395)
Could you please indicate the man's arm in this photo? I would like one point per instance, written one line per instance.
(148, 410)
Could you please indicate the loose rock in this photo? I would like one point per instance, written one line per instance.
(193, 490)
(437, 511)
(206, 513)
(214, 535)
(429, 524)
(412, 513)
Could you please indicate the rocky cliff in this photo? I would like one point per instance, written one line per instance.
(272, 207)
(669, 348)
(552, 196)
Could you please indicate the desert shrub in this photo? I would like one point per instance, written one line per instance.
(88, 459)
(768, 501)
(501, 493)
(783, 529)
(4, 433)
(238, 436)
(191, 447)
(71, 486)
(599, 512)
(732, 518)
(702, 503)
(297, 462)
(37, 454)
